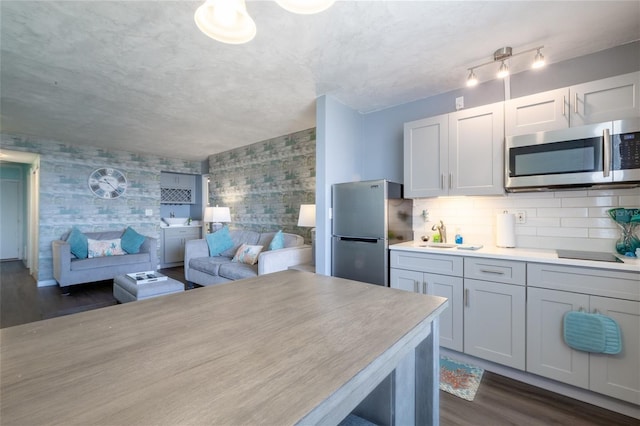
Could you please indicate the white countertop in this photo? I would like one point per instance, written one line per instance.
(164, 225)
(631, 264)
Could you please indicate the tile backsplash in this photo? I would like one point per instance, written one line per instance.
(575, 220)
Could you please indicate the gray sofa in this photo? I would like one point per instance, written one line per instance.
(204, 270)
(69, 270)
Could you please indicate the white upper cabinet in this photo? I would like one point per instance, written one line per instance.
(603, 100)
(537, 113)
(455, 154)
(426, 157)
(594, 102)
(476, 151)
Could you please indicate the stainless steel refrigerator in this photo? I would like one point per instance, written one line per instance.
(367, 217)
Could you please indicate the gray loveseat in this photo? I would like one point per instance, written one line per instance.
(202, 269)
(69, 270)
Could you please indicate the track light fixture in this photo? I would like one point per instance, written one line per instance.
(502, 55)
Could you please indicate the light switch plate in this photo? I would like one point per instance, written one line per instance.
(148, 212)
(459, 103)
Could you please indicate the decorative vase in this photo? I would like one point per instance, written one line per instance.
(627, 220)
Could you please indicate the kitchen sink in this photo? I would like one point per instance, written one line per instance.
(438, 245)
(175, 221)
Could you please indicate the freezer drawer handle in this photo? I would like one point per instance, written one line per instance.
(361, 240)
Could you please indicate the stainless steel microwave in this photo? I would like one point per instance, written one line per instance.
(604, 155)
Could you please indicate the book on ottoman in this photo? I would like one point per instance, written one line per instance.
(146, 277)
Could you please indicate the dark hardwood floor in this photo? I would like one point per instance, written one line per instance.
(499, 401)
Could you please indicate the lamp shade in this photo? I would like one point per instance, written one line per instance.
(217, 214)
(307, 217)
(226, 21)
(305, 7)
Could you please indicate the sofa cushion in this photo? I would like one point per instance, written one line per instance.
(209, 265)
(219, 241)
(100, 248)
(247, 254)
(108, 261)
(131, 241)
(240, 237)
(238, 271)
(78, 242)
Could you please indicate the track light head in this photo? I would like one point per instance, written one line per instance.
(538, 61)
(472, 80)
(504, 70)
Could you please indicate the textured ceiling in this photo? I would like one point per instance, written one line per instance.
(139, 76)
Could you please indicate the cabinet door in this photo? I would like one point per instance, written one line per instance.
(174, 242)
(451, 325)
(537, 113)
(425, 157)
(618, 375)
(547, 353)
(494, 322)
(405, 280)
(476, 151)
(605, 100)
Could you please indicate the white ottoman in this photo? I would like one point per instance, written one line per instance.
(125, 290)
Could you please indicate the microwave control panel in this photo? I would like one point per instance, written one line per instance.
(626, 151)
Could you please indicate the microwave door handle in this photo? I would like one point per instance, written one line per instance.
(606, 141)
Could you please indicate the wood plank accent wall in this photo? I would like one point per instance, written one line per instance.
(265, 183)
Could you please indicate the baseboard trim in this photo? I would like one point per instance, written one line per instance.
(47, 283)
(622, 407)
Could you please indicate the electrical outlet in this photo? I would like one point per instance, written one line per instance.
(148, 212)
(521, 216)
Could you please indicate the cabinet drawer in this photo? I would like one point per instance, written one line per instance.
(500, 271)
(598, 282)
(426, 262)
(184, 232)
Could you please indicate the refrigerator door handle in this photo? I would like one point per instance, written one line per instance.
(359, 240)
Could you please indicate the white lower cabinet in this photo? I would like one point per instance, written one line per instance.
(408, 273)
(511, 313)
(437, 285)
(494, 322)
(173, 242)
(547, 354)
(617, 376)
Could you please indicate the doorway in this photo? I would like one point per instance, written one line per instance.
(19, 207)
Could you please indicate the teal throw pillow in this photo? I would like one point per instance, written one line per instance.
(131, 241)
(219, 241)
(277, 242)
(79, 243)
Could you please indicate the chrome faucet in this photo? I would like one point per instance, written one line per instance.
(442, 230)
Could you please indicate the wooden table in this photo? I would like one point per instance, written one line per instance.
(285, 348)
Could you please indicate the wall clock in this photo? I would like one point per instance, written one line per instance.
(107, 183)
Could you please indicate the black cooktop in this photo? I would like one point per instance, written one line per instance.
(588, 255)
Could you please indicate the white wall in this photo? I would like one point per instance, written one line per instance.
(338, 159)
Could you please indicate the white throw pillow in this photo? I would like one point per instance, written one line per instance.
(247, 254)
(100, 248)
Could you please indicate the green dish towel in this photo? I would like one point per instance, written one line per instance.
(592, 333)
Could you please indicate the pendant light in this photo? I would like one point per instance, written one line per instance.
(226, 21)
(305, 7)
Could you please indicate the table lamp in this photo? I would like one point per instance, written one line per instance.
(307, 219)
(216, 216)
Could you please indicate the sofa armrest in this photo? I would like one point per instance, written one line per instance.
(61, 251)
(279, 260)
(192, 250)
(150, 245)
